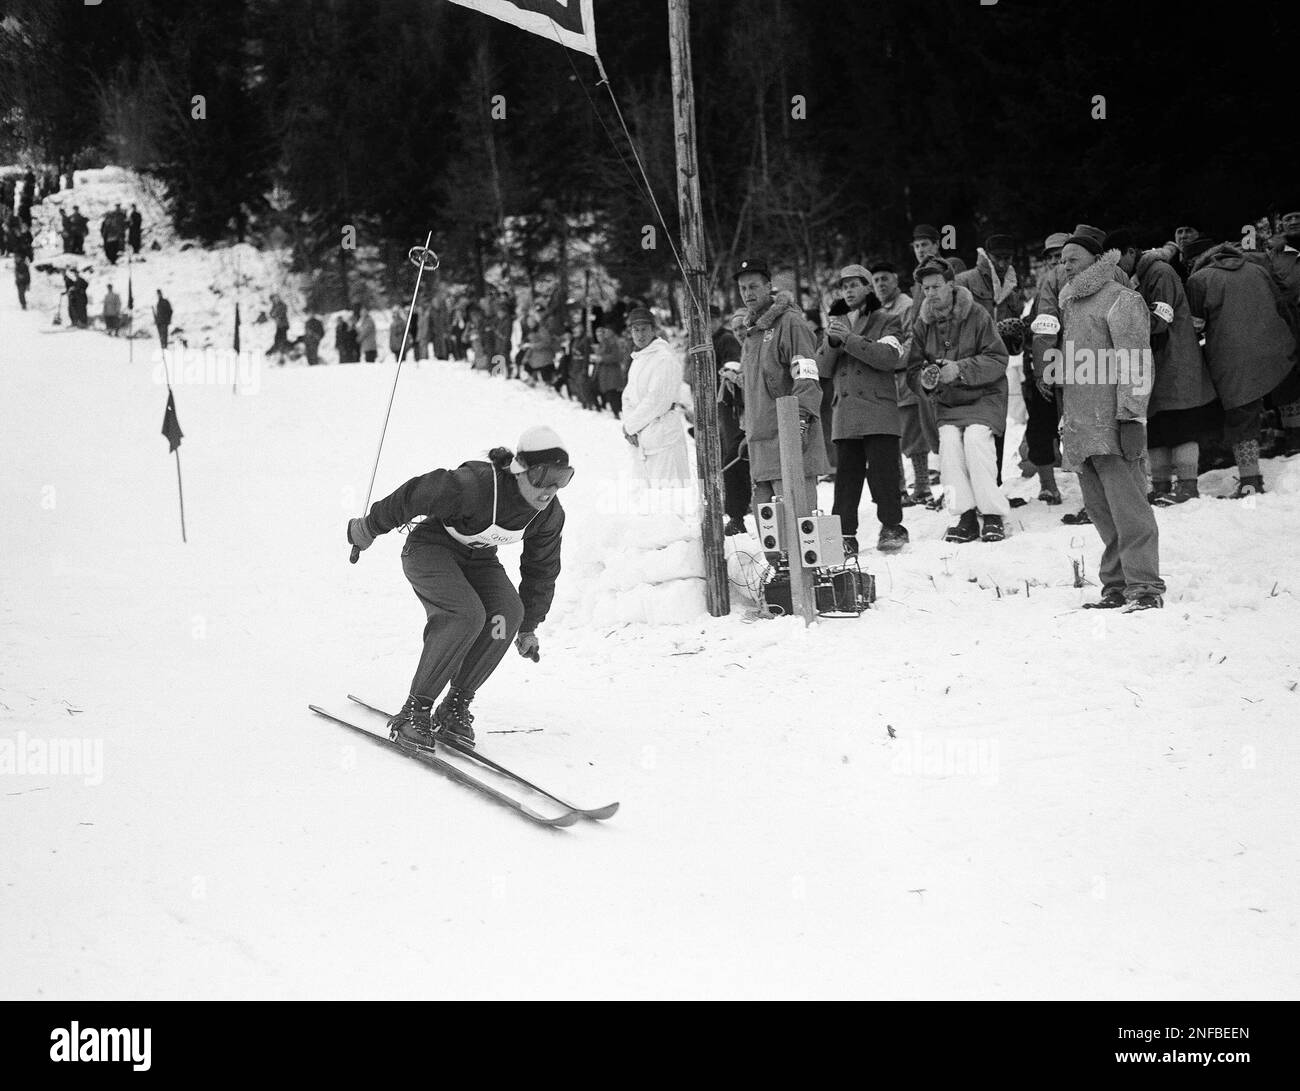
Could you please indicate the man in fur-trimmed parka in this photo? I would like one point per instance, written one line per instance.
(1107, 372)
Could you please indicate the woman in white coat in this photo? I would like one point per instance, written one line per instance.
(652, 408)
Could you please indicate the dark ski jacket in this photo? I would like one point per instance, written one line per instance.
(463, 498)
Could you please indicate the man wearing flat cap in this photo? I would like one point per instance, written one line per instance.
(862, 354)
(652, 409)
(777, 359)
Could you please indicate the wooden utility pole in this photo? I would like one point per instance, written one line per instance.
(708, 450)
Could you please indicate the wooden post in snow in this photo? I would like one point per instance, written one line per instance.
(708, 449)
(796, 503)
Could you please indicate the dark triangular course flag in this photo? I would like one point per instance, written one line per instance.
(130, 293)
(171, 426)
(236, 328)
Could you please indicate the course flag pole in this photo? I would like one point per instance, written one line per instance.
(422, 258)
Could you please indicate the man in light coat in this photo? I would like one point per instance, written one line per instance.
(862, 354)
(1107, 372)
(920, 432)
(652, 410)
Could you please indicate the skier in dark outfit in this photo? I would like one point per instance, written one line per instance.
(451, 560)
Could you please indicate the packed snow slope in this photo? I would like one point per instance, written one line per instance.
(976, 789)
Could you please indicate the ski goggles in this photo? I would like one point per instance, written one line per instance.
(546, 475)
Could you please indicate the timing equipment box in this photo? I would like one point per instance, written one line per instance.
(842, 592)
(771, 519)
(821, 545)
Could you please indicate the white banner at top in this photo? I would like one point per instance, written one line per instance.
(568, 22)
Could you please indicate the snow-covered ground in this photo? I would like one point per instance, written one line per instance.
(974, 790)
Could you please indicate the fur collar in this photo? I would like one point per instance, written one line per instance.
(1147, 260)
(1225, 255)
(962, 302)
(781, 302)
(1100, 273)
(1001, 289)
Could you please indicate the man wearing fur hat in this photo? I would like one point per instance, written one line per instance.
(652, 410)
(1106, 372)
(861, 355)
(958, 361)
(777, 359)
(1182, 397)
(1249, 346)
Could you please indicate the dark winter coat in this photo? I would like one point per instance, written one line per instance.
(1098, 315)
(967, 335)
(864, 369)
(463, 498)
(133, 230)
(1182, 379)
(731, 402)
(777, 360)
(1001, 298)
(611, 365)
(22, 274)
(1248, 344)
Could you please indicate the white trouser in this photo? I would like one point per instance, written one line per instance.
(968, 465)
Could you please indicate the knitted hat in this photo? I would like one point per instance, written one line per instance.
(1089, 242)
(925, 231)
(1000, 244)
(752, 265)
(640, 314)
(930, 266)
(884, 267)
(855, 271)
(537, 446)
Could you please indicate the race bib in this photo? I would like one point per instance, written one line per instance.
(1046, 324)
(1162, 311)
(803, 368)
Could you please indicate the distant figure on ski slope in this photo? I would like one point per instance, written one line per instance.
(652, 409)
(451, 561)
(22, 278)
(280, 316)
(162, 317)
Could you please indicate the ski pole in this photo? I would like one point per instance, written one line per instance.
(421, 257)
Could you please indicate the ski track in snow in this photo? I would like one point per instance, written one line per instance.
(1072, 805)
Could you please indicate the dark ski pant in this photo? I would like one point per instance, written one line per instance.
(1115, 494)
(875, 460)
(473, 610)
(1041, 427)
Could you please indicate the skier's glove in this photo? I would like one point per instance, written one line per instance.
(527, 645)
(631, 438)
(1132, 439)
(805, 422)
(359, 533)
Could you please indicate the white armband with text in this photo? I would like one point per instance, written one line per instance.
(801, 367)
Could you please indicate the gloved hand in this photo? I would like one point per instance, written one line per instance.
(1132, 439)
(805, 422)
(631, 438)
(359, 533)
(949, 371)
(527, 645)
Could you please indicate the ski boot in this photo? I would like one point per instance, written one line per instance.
(413, 726)
(1182, 492)
(993, 529)
(966, 530)
(892, 539)
(734, 526)
(850, 546)
(1146, 601)
(1246, 486)
(1111, 600)
(453, 718)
